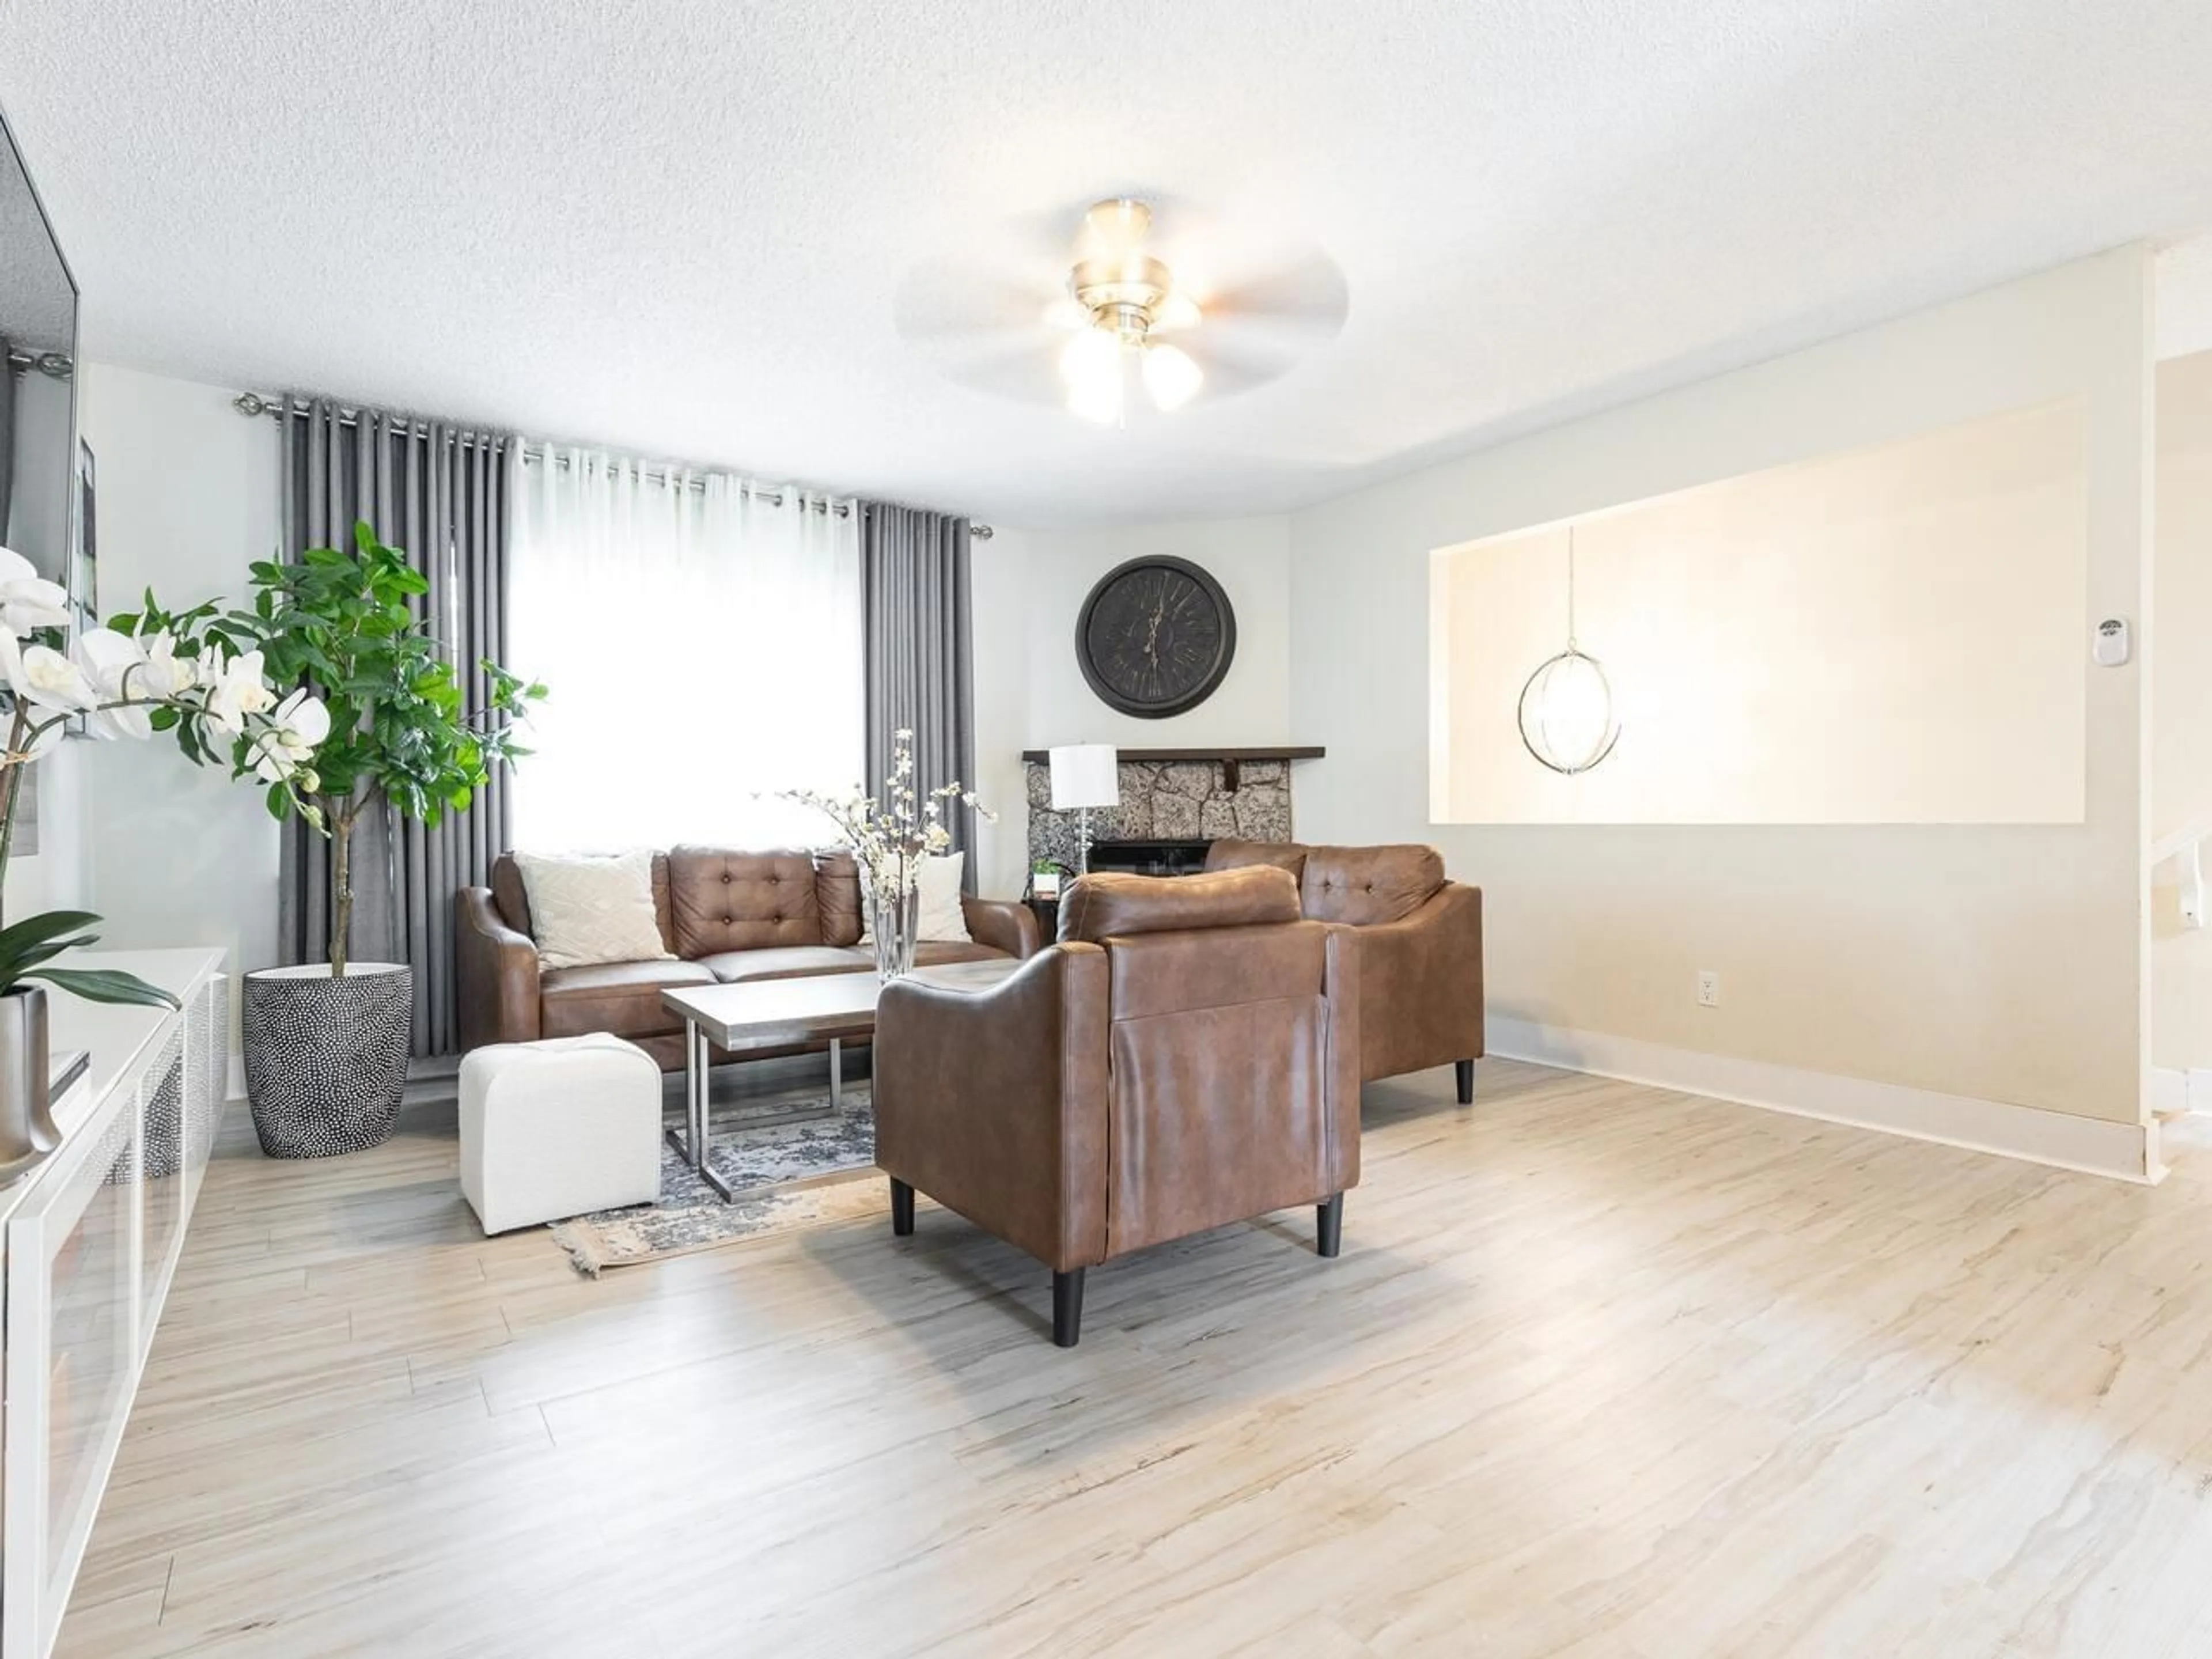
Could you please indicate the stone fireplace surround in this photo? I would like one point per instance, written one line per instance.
(1196, 795)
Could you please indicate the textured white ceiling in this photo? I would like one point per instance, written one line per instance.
(681, 225)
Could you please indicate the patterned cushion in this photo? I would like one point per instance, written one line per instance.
(941, 914)
(585, 911)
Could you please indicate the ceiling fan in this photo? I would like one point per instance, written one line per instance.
(1216, 312)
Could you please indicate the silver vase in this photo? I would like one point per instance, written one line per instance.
(27, 1133)
(895, 924)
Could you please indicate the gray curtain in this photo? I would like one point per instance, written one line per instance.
(441, 494)
(920, 652)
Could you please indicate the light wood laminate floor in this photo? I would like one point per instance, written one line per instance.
(1603, 1372)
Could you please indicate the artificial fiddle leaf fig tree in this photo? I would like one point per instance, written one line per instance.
(326, 1054)
(400, 728)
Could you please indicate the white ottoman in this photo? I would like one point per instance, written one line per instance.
(553, 1129)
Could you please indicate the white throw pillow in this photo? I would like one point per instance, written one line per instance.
(939, 915)
(587, 910)
(942, 918)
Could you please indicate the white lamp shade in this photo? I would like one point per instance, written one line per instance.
(1085, 775)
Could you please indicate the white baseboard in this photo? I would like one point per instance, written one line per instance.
(2126, 1151)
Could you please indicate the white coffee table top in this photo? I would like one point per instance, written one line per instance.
(769, 1013)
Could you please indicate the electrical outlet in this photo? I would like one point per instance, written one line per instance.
(1709, 989)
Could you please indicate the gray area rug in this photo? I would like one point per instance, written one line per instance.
(792, 1163)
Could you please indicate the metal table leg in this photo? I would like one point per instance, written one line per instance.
(836, 1075)
(697, 1141)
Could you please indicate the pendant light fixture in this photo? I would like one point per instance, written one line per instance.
(1567, 719)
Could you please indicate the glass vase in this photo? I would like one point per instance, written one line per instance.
(895, 924)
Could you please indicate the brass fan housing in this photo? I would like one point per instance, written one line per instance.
(1119, 286)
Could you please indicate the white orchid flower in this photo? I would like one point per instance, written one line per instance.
(28, 601)
(166, 674)
(236, 689)
(43, 676)
(114, 663)
(107, 658)
(299, 723)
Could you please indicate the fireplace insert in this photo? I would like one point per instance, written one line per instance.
(1150, 858)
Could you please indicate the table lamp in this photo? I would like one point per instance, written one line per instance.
(1085, 775)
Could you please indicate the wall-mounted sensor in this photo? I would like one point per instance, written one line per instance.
(2111, 649)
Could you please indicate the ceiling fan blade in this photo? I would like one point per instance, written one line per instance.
(1307, 302)
(964, 307)
(1027, 373)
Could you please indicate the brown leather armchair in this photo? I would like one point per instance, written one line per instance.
(1186, 1056)
(1420, 946)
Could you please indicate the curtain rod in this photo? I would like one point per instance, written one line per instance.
(250, 403)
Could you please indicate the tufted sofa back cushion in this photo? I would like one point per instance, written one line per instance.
(726, 900)
(837, 896)
(1231, 854)
(1365, 885)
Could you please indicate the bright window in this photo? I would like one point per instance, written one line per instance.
(700, 640)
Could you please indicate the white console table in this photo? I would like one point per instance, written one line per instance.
(91, 1238)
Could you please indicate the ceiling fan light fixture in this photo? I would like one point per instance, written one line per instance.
(1090, 363)
(1177, 311)
(1126, 294)
(1171, 375)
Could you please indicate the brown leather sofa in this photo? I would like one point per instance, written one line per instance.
(725, 915)
(1185, 1056)
(1420, 947)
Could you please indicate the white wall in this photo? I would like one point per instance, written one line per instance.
(1029, 585)
(2181, 768)
(188, 498)
(2003, 964)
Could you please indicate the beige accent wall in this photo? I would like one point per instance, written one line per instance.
(2181, 794)
(1888, 635)
(2005, 963)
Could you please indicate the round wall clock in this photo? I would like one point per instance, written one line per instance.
(1156, 637)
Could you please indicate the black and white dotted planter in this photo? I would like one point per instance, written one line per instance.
(326, 1058)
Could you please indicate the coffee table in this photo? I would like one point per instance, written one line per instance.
(779, 1013)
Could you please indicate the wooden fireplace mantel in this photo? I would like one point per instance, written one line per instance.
(1230, 760)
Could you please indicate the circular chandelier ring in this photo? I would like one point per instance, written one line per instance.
(1540, 678)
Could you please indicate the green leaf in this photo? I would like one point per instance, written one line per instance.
(46, 924)
(106, 985)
